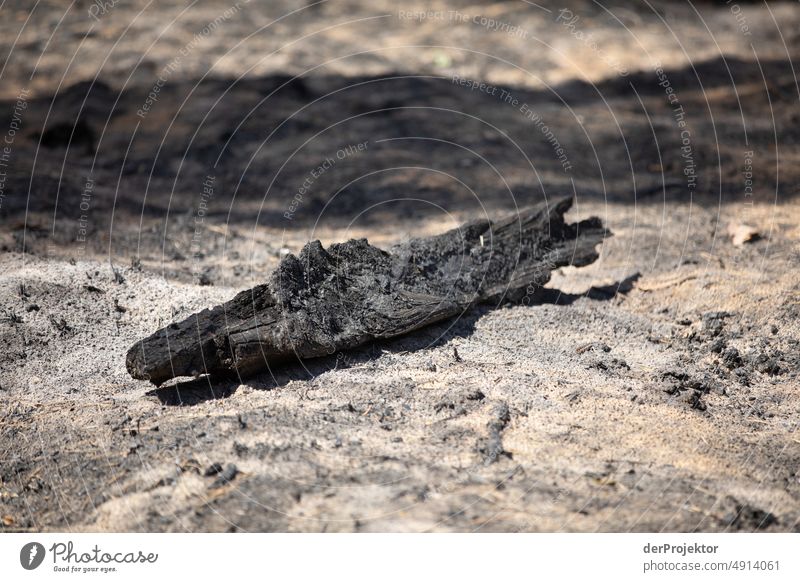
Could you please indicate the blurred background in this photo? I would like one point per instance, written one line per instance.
(461, 108)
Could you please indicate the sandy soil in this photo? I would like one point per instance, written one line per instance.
(155, 169)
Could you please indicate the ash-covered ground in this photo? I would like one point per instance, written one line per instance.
(158, 159)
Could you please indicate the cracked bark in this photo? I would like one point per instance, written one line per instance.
(324, 301)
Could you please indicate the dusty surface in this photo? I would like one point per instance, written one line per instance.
(656, 389)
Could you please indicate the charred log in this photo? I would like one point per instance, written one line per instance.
(327, 300)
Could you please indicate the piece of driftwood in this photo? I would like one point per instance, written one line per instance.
(324, 301)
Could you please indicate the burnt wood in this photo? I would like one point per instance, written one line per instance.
(326, 300)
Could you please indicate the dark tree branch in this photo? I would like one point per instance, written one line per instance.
(329, 300)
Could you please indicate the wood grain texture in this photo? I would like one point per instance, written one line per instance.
(327, 300)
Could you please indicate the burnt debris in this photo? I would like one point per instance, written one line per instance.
(327, 300)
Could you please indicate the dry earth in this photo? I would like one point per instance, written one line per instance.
(656, 390)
